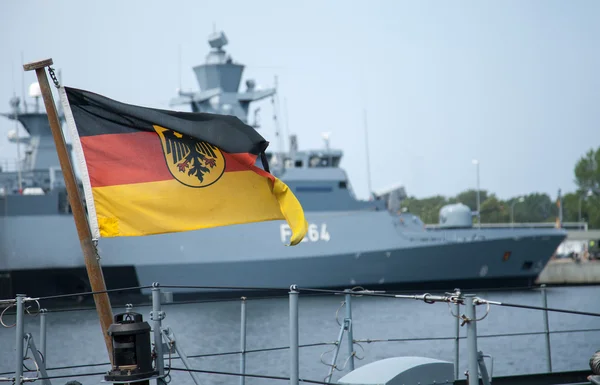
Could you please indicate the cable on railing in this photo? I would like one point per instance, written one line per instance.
(368, 341)
(454, 298)
(252, 288)
(182, 302)
(576, 312)
(87, 293)
(372, 293)
(355, 292)
(263, 376)
(78, 366)
(259, 350)
(196, 355)
(268, 377)
(64, 376)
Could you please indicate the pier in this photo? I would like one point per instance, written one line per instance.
(566, 271)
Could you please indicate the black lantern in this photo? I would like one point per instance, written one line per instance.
(132, 355)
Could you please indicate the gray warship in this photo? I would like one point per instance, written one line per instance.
(350, 242)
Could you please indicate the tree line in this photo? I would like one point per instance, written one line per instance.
(580, 205)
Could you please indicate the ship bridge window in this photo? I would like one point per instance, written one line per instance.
(314, 189)
(314, 161)
(323, 161)
(343, 185)
(289, 163)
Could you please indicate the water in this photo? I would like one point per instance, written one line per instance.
(74, 337)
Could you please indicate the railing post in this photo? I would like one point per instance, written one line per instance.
(157, 315)
(43, 335)
(294, 353)
(20, 342)
(546, 329)
(456, 342)
(472, 339)
(348, 300)
(243, 343)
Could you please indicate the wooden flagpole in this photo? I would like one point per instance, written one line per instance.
(90, 254)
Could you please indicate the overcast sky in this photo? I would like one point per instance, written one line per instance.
(514, 84)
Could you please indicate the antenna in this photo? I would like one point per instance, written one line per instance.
(13, 81)
(275, 101)
(287, 122)
(326, 137)
(364, 99)
(23, 85)
(14, 103)
(179, 64)
(560, 209)
(367, 150)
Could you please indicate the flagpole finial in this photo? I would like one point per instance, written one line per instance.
(37, 64)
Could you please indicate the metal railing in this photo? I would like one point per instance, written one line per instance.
(8, 165)
(535, 225)
(165, 342)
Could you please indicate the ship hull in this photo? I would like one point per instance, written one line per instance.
(335, 255)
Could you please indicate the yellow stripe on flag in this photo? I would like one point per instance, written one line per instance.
(169, 206)
(292, 210)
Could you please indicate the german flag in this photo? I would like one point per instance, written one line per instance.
(149, 171)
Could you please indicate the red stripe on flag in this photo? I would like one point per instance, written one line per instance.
(116, 159)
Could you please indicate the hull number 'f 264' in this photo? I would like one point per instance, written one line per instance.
(315, 233)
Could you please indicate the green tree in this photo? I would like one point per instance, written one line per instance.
(590, 209)
(587, 178)
(428, 209)
(570, 207)
(537, 208)
(592, 212)
(587, 172)
(494, 210)
(469, 198)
